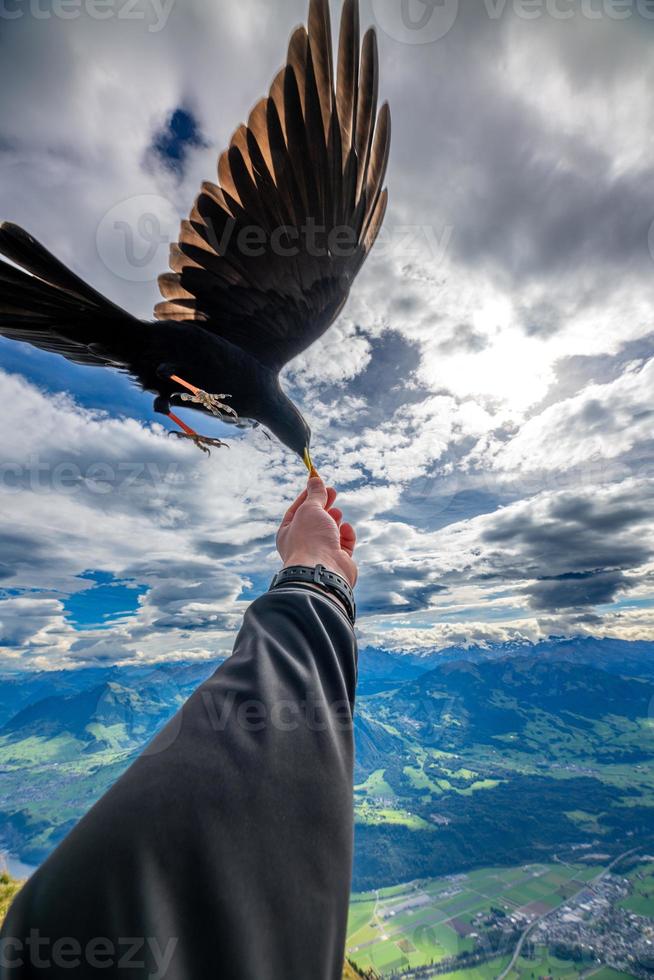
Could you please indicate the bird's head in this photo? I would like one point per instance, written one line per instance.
(289, 425)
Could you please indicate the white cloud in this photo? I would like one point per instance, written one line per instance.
(523, 201)
(601, 423)
(113, 495)
(443, 635)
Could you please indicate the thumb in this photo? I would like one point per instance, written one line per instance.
(316, 490)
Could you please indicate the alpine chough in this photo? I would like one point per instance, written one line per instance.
(263, 265)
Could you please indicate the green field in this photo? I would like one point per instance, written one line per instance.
(427, 921)
(545, 965)
(486, 971)
(8, 889)
(641, 901)
(606, 973)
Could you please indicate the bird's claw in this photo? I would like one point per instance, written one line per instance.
(202, 442)
(213, 403)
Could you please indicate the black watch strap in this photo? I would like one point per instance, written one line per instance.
(319, 575)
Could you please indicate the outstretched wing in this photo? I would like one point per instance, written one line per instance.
(267, 258)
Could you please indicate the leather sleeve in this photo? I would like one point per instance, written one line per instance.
(225, 850)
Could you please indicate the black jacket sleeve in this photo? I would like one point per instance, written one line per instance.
(225, 850)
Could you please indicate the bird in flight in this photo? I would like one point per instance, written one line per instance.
(263, 265)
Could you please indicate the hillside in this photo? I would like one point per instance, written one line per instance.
(514, 759)
(9, 888)
(534, 703)
(499, 760)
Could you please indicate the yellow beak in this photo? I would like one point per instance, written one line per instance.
(307, 460)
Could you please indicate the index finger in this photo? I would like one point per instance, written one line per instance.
(292, 510)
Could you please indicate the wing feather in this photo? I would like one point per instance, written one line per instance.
(261, 260)
(348, 75)
(296, 60)
(379, 157)
(367, 105)
(320, 40)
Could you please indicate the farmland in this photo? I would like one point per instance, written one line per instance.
(432, 920)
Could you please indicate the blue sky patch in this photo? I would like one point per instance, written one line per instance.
(259, 584)
(180, 134)
(106, 600)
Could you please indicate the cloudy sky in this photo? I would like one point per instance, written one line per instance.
(484, 403)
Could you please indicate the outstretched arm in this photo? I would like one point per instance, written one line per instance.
(225, 850)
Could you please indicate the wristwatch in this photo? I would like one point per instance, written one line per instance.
(319, 575)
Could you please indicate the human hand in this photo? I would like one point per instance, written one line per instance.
(313, 532)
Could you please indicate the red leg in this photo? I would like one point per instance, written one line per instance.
(202, 442)
(184, 384)
(183, 426)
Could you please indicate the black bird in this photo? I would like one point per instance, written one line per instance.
(265, 262)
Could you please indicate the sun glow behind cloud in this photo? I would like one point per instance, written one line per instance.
(483, 404)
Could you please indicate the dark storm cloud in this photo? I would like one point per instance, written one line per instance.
(20, 550)
(394, 360)
(578, 552)
(541, 222)
(400, 589)
(574, 373)
(100, 650)
(223, 549)
(523, 193)
(574, 591)
(532, 199)
(193, 622)
(384, 385)
(186, 595)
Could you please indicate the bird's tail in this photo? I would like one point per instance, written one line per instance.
(44, 304)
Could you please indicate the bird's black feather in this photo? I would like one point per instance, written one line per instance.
(314, 154)
(257, 274)
(51, 308)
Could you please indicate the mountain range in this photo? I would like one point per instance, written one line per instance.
(465, 757)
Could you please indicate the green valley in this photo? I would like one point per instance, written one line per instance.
(516, 923)
(498, 786)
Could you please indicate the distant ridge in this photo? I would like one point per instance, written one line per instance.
(612, 655)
